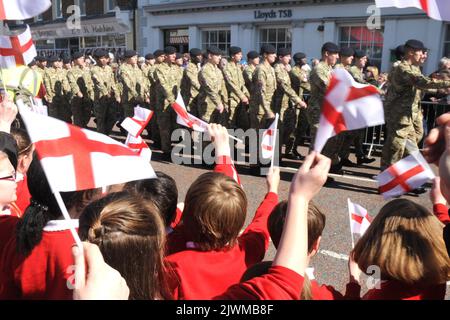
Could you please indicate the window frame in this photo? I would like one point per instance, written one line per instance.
(205, 44)
(288, 29)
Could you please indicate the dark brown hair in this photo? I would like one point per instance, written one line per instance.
(214, 212)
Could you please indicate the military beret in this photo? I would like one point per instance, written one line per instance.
(158, 53)
(284, 52)
(234, 50)
(130, 54)
(66, 59)
(32, 63)
(41, 58)
(347, 52)
(99, 53)
(299, 56)
(214, 51)
(178, 56)
(149, 56)
(9, 146)
(194, 52)
(170, 50)
(360, 54)
(77, 55)
(400, 52)
(330, 47)
(53, 59)
(268, 49)
(415, 44)
(252, 55)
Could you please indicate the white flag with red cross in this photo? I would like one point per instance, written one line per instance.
(404, 176)
(185, 118)
(79, 159)
(22, 9)
(268, 141)
(17, 50)
(436, 9)
(138, 122)
(140, 146)
(347, 105)
(359, 218)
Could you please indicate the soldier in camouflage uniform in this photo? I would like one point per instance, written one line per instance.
(319, 80)
(212, 97)
(158, 56)
(179, 69)
(252, 62)
(286, 102)
(41, 62)
(57, 91)
(300, 84)
(190, 86)
(166, 93)
(401, 99)
(107, 93)
(82, 87)
(238, 95)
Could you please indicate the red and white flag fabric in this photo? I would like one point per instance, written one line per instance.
(17, 50)
(185, 118)
(268, 141)
(140, 146)
(435, 9)
(405, 175)
(359, 218)
(22, 9)
(79, 159)
(137, 124)
(348, 105)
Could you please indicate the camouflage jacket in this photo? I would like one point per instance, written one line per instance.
(248, 77)
(80, 81)
(235, 83)
(319, 80)
(284, 92)
(56, 84)
(104, 82)
(166, 84)
(212, 88)
(190, 86)
(299, 80)
(265, 84)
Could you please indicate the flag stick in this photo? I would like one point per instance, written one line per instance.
(234, 138)
(3, 83)
(274, 140)
(350, 220)
(63, 208)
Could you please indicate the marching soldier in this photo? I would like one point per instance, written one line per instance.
(190, 85)
(179, 70)
(238, 95)
(107, 93)
(252, 63)
(57, 90)
(82, 88)
(212, 96)
(286, 102)
(158, 57)
(402, 99)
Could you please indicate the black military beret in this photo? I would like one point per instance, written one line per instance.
(158, 53)
(347, 52)
(214, 51)
(77, 55)
(234, 50)
(268, 49)
(170, 50)
(194, 52)
(66, 59)
(299, 56)
(252, 55)
(178, 56)
(284, 52)
(400, 52)
(9, 146)
(130, 54)
(99, 53)
(415, 44)
(360, 54)
(149, 56)
(52, 59)
(330, 47)
(41, 58)
(32, 63)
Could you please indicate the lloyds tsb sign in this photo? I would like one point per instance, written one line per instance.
(272, 14)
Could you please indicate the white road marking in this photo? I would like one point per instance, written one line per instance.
(354, 178)
(333, 254)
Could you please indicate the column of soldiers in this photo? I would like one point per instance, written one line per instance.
(236, 96)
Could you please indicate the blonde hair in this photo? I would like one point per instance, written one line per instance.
(405, 241)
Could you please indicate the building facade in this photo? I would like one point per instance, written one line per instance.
(301, 25)
(103, 24)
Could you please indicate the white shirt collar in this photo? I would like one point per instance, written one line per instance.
(60, 225)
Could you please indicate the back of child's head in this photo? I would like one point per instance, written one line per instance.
(214, 212)
(131, 235)
(316, 223)
(24, 144)
(162, 192)
(405, 242)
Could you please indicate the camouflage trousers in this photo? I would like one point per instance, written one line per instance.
(418, 125)
(398, 131)
(238, 116)
(302, 126)
(333, 145)
(355, 137)
(166, 119)
(287, 129)
(82, 111)
(60, 109)
(105, 112)
(208, 112)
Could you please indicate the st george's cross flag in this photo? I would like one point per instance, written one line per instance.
(347, 105)
(404, 176)
(185, 118)
(359, 218)
(17, 50)
(136, 124)
(268, 141)
(140, 146)
(435, 9)
(22, 9)
(78, 159)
